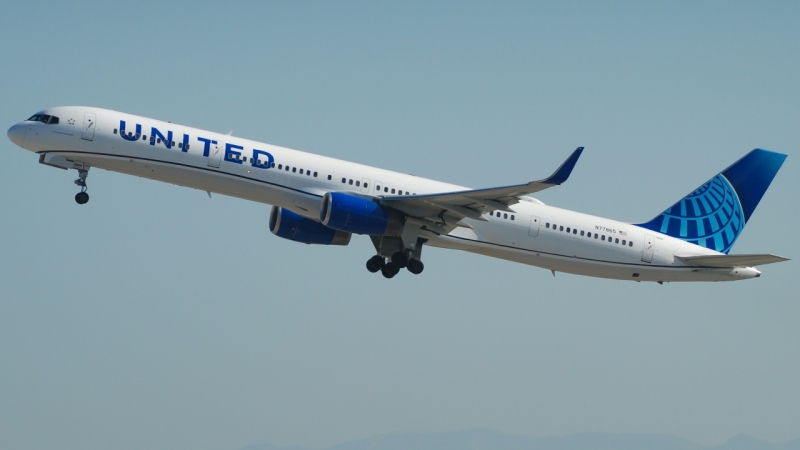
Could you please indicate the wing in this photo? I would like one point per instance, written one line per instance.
(731, 260)
(449, 207)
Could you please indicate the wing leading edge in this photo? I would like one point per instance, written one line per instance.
(473, 203)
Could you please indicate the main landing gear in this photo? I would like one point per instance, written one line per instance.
(399, 260)
(82, 197)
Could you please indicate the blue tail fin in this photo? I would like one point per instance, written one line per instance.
(714, 215)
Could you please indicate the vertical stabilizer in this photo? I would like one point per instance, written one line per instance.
(715, 214)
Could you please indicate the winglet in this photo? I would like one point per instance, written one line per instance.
(562, 173)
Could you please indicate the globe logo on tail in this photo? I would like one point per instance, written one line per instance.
(711, 216)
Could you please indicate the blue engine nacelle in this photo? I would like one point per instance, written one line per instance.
(288, 225)
(347, 212)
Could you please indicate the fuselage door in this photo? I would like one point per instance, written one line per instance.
(649, 247)
(534, 228)
(89, 125)
(215, 154)
(365, 185)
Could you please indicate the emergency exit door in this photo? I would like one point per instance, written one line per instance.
(89, 126)
(534, 228)
(214, 154)
(649, 248)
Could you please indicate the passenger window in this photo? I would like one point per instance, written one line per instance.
(624, 243)
(273, 164)
(144, 138)
(512, 217)
(301, 171)
(561, 228)
(568, 230)
(505, 216)
(294, 169)
(581, 232)
(115, 131)
(180, 144)
(603, 238)
(574, 231)
(378, 188)
(308, 173)
(392, 190)
(344, 180)
(315, 174)
(158, 141)
(358, 183)
(366, 185)
(385, 189)
(547, 225)
(173, 144)
(280, 166)
(287, 168)
(616, 241)
(595, 235)
(351, 182)
(630, 244)
(329, 177)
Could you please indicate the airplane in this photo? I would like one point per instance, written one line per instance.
(324, 201)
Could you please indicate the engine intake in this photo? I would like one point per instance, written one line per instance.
(359, 215)
(288, 225)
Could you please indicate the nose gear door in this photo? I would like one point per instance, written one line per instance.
(89, 126)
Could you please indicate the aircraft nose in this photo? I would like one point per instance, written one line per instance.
(16, 134)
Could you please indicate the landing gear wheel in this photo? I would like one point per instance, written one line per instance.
(400, 259)
(375, 263)
(81, 198)
(415, 266)
(389, 270)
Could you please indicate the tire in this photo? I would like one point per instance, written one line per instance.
(389, 270)
(81, 198)
(400, 259)
(415, 266)
(375, 263)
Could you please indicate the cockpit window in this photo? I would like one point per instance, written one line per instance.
(44, 118)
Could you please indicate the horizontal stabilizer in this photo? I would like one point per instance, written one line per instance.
(731, 260)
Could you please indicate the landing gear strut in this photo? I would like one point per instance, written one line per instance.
(401, 257)
(82, 197)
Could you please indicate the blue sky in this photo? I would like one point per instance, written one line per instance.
(155, 317)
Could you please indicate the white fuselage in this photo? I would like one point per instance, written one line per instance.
(237, 167)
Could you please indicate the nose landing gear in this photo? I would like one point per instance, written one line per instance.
(82, 197)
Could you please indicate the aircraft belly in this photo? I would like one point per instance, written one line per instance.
(580, 266)
(205, 180)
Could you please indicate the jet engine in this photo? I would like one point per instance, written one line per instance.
(354, 214)
(288, 225)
